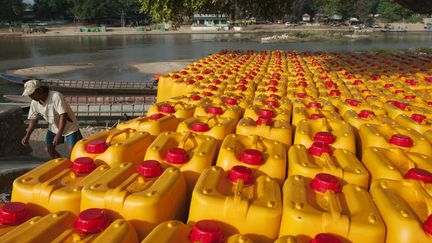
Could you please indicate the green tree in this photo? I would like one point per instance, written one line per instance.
(90, 10)
(392, 12)
(52, 9)
(11, 10)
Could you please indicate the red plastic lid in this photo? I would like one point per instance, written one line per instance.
(274, 96)
(190, 81)
(319, 148)
(83, 165)
(316, 116)
(252, 157)
(215, 110)
(398, 104)
(388, 85)
(352, 102)
(314, 104)
(262, 119)
(323, 182)
(334, 92)
(242, 87)
(241, 172)
(91, 221)
(401, 140)
(302, 83)
(325, 137)
(14, 213)
(207, 231)
(216, 81)
(243, 81)
(419, 174)
(96, 147)
(230, 101)
(273, 82)
(357, 82)
(195, 97)
(419, 118)
(409, 97)
(273, 103)
(150, 168)
(427, 225)
(200, 127)
(272, 89)
(156, 116)
(207, 93)
(177, 156)
(325, 238)
(366, 113)
(329, 84)
(265, 113)
(165, 108)
(301, 95)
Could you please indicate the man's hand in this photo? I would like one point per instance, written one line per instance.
(25, 139)
(57, 140)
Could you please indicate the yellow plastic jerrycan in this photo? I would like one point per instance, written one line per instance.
(302, 113)
(268, 90)
(113, 147)
(395, 108)
(419, 122)
(192, 98)
(318, 103)
(281, 103)
(145, 196)
(406, 207)
(216, 127)
(180, 110)
(205, 231)
(324, 205)
(91, 225)
(386, 136)
(164, 88)
(357, 119)
(358, 106)
(393, 163)
(56, 185)
(242, 203)
(265, 156)
(154, 124)
(219, 110)
(337, 133)
(265, 127)
(13, 214)
(321, 158)
(230, 99)
(319, 238)
(255, 111)
(189, 152)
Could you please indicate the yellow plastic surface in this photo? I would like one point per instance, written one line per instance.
(53, 186)
(282, 103)
(394, 111)
(351, 214)
(393, 163)
(404, 206)
(182, 110)
(220, 127)
(287, 239)
(406, 121)
(189, 100)
(242, 101)
(306, 130)
(232, 111)
(124, 145)
(274, 155)
(254, 211)
(150, 125)
(324, 104)
(279, 130)
(355, 121)
(379, 136)
(202, 151)
(143, 202)
(279, 114)
(174, 231)
(344, 106)
(342, 164)
(302, 113)
(164, 88)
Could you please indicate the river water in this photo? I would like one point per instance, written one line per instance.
(112, 55)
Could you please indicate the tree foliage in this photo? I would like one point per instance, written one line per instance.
(52, 9)
(96, 9)
(392, 12)
(11, 10)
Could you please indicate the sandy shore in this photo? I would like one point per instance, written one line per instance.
(162, 67)
(44, 70)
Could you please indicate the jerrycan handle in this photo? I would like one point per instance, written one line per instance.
(257, 142)
(184, 138)
(325, 125)
(328, 161)
(238, 191)
(114, 134)
(334, 206)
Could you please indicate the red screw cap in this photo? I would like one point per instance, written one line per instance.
(272, 103)
(334, 92)
(352, 102)
(212, 87)
(323, 182)
(216, 81)
(207, 93)
(357, 82)
(266, 113)
(273, 82)
(329, 84)
(165, 108)
(200, 127)
(302, 83)
(214, 110)
(14, 213)
(325, 238)
(177, 156)
(419, 174)
(241, 87)
(83, 165)
(96, 147)
(150, 169)
(314, 105)
(398, 104)
(427, 225)
(419, 118)
(388, 85)
(319, 148)
(409, 97)
(301, 95)
(241, 172)
(325, 137)
(401, 140)
(195, 97)
(156, 116)
(252, 157)
(316, 116)
(230, 101)
(243, 81)
(272, 89)
(366, 113)
(264, 120)
(92, 221)
(207, 231)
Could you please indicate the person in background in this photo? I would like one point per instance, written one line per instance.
(52, 107)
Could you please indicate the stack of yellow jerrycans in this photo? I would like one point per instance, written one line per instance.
(249, 146)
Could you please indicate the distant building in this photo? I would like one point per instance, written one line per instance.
(306, 17)
(209, 22)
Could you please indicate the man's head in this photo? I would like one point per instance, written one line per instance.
(34, 90)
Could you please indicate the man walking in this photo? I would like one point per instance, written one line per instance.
(52, 107)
